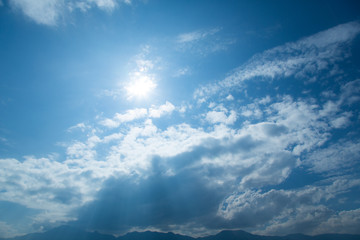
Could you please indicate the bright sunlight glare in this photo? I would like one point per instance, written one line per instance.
(140, 87)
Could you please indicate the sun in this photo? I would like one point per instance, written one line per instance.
(140, 87)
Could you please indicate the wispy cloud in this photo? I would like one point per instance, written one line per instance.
(81, 126)
(302, 59)
(47, 12)
(196, 35)
(51, 12)
(182, 71)
(203, 42)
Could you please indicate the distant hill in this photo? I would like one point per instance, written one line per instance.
(70, 233)
(153, 236)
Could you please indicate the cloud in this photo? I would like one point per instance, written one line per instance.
(45, 12)
(222, 165)
(336, 158)
(43, 185)
(157, 112)
(128, 116)
(258, 154)
(302, 59)
(230, 97)
(350, 92)
(286, 211)
(81, 126)
(104, 4)
(342, 222)
(203, 42)
(196, 35)
(50, 12)
(138, 113)
(220, 117)
(6, 230)
(182, 71)
(158, 201)
(138, 169)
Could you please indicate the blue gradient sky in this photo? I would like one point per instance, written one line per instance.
(183, 116)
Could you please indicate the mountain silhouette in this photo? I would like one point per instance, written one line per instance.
(153, 236)
(71, 233)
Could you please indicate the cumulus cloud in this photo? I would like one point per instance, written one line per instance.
(221, 160)
(341, 222)
(43, 184)
(135, 160)
(157, 112)
(221, 117)
(128, 116)
(286, 211)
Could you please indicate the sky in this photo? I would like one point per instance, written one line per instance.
(183, 116)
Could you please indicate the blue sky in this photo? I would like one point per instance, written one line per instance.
(183, 116)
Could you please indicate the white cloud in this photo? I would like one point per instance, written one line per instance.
(196, 35)
(342, 222)
(104, 4)
(230, 97)
(288, 211)
(251, 110)
(182, 71)
(45, 12)
(81, 126)
(128, 116)
(337, 156)
(259, 153)
(221, 117)
(157, 112)
(6, 230)
(350, 92)
(138, 113)
(301, 59)
(50, 12)
(202, 42)
(44, 184)
(278, 134)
